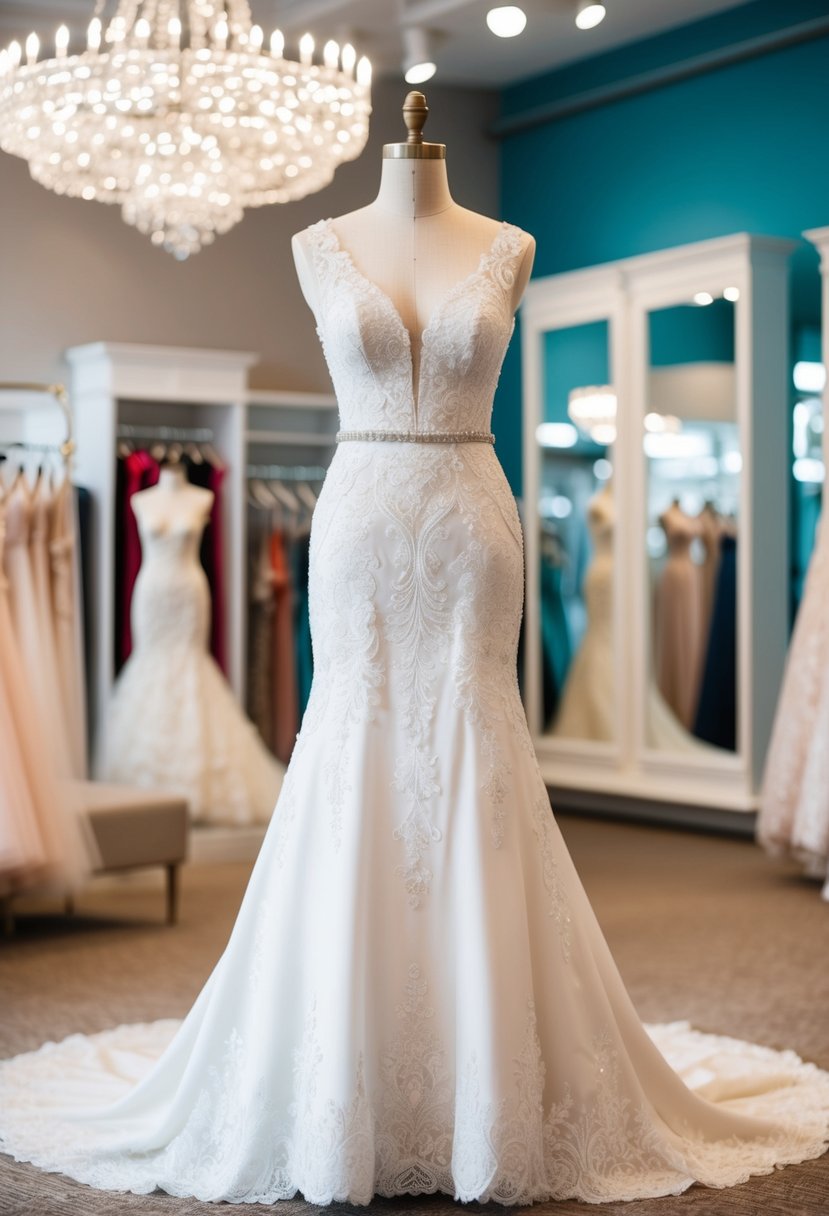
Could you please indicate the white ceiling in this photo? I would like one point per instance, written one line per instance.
(467, 53)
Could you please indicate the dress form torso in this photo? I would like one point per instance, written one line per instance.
(172, 506)
(414, 243)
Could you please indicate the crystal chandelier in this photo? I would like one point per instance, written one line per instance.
(178, 111)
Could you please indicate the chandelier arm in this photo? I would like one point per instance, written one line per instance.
(238, 14)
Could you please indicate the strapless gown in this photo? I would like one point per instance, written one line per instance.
(416, 995)
(173, 722)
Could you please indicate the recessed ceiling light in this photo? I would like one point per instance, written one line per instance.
(732, 294)
(703, 297)
(418, 55)
(589, 14)
(506, 21)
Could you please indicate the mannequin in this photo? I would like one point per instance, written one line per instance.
(588, 708)
(172, 503)
(679, 625)
(414, 241)
(173, 723)
(416, 996)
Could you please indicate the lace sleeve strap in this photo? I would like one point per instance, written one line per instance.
(506, 256)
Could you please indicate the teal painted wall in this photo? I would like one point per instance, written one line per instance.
(742, 148)
(573, 358)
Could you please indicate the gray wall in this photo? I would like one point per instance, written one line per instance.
(73, 272)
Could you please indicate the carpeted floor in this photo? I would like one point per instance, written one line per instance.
(703, 928)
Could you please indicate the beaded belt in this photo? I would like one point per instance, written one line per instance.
(418, 436)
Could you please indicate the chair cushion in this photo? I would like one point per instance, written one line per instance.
(135, 827)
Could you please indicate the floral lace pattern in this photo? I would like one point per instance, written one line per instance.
(794, 810)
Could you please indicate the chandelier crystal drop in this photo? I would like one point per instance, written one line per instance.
(183, 113)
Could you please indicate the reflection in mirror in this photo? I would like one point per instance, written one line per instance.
(692, 445)
(576, 519)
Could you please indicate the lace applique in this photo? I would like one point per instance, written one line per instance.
(416, 1111)
(558, 905)
(794, 809)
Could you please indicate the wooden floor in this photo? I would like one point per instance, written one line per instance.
(703, 928)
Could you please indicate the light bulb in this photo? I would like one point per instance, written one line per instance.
(277, 43)
(590, 14)
(143, 29)
(506, 21)
(306, 50)
(174, 29)
(32, 47)
(732, 294)
(419, 55)
(15, 53)
(93, 34)
(256, 37)
(349, 57)
(331, 54)
(364, 72)
(419, 73)
(220, 32)
(702, 298)
(61, 41)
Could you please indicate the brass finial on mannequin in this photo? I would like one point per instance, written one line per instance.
(415, 113)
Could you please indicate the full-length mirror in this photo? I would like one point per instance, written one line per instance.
(693, 465)
(576, 550)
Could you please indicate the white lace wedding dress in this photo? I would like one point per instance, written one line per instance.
(416, 995)
(173, 722)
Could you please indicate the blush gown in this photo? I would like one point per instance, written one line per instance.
(416, 995)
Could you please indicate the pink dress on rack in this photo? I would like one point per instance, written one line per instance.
(49, 834)
(679, 619)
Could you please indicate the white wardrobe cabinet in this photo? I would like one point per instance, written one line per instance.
(655, 503)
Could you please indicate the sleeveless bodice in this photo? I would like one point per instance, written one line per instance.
(369, 352)
(681, 532)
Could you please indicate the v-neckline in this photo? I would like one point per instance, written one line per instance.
(434, 316)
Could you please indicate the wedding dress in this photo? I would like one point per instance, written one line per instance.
(416, 995)
(173, 722)
(794, 807)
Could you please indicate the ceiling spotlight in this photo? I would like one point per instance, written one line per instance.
(589, 14)
(507, 20)
(418, 55)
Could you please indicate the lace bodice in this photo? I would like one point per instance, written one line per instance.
(369, 352)
(170, 541)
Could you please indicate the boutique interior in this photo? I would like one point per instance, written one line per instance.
(659, 418)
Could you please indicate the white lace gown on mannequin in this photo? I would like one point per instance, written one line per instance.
(173, 722)
(416, 995)
(794, 808)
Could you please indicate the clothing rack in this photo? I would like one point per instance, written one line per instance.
(61, 397)
(183, 434)
(15, 445)
(286, 472)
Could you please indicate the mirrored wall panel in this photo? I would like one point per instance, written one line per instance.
(693, 468)
(576, 522)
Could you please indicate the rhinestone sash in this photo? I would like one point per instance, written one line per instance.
(417, 436)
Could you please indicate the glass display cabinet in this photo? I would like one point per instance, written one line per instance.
(656, 509)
